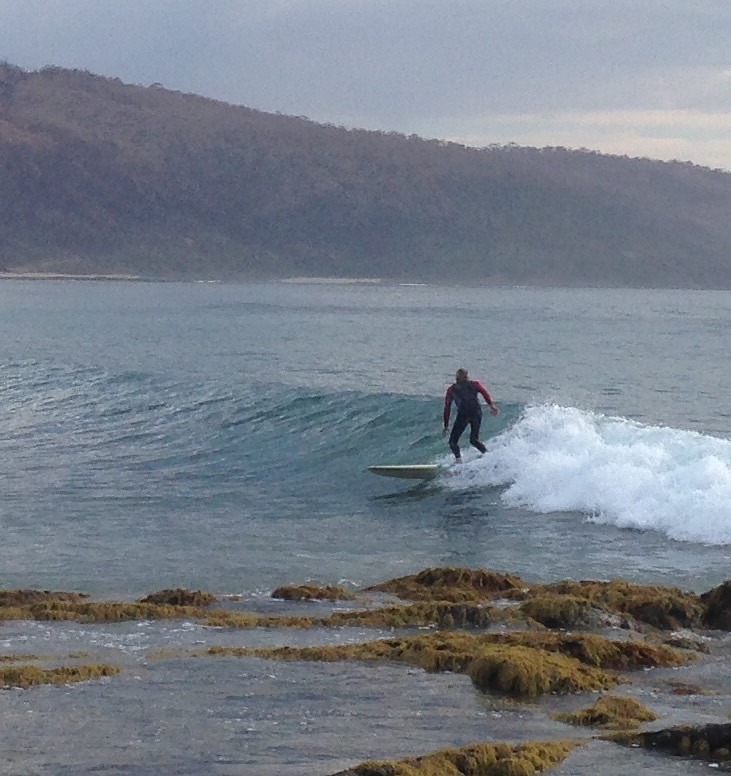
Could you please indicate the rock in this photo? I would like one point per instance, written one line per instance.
(312, 593)
(451, 584)
(610, 711)
(717, 603)
(179, 596)
(708, 742)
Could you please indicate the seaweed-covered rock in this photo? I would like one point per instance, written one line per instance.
(109, 611)
(707, 742)
(225, 618)
(676, 687)
(179, 596)
(313, 593)
(457, 650)
(527, 759)
(422, 614)
(509, 668)
(566, 611)
(610, 711)
(594, 650)
(666, 608)
(15, 598)
(27, 675)
(528, 672)
(451, 584)
(717, 607)
(687, 640)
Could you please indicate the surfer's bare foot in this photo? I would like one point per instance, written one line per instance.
(458, 460)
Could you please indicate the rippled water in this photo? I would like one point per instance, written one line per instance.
(216, 436)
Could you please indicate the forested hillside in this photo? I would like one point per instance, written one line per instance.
(101, 177)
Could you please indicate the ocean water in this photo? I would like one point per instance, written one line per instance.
(217, 436)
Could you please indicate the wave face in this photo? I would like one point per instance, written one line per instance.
(618, 472)
(217, 437)
(103, 440)
(87, 441)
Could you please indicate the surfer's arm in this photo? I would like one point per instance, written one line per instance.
(448, 405)
(486, 396)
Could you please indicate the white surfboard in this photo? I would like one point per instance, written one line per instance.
(424, 471)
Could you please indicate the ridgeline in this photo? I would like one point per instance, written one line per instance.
(100, 177)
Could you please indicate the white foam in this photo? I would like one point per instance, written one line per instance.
(614, 470)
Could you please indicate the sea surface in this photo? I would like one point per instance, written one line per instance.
(216, 436)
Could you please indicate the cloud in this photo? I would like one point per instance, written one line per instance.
(658, 134)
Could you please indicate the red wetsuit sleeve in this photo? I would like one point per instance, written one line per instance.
(448, 405)
(485, 393)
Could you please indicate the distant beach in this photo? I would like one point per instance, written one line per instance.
(70, 276)
(331, 280)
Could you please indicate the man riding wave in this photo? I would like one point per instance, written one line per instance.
(465, 394)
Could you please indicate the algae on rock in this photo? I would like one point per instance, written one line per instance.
(610, 711)
(501, 759)
(313, 593)
(27, 675)
(454, 584)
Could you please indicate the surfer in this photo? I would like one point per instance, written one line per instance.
(465, 394)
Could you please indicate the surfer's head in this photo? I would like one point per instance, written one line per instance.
(461, 375)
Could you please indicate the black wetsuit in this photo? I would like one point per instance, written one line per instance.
(465, 394)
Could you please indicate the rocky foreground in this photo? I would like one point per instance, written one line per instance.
(509, 637)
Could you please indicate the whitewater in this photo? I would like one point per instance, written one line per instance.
(613, 470)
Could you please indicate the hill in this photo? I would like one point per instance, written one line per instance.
(97, 176)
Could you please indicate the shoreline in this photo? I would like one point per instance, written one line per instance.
(344, 281)
(73, 276)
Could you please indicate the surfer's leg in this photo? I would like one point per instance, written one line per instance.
(475, 434)
(460, 424)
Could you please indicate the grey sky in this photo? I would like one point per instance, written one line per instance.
(637, 77)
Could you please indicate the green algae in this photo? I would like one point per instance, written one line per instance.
(566, 604)
(425, 614)
(494, 759)
(180, 596)
(433, 652)
(8, 613)
(28, 675)
(598, 651)
(20, 598)
(313, 593)
(456, 650)
(449, 597)
(418, 615)
(225, 618)
(662, 607)
(509, 668)
(44, 605)
(610, 711)
(528, 672)
(666, 608)
(522, 664)
(110, 611)
(20, 658)
(455, 584)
